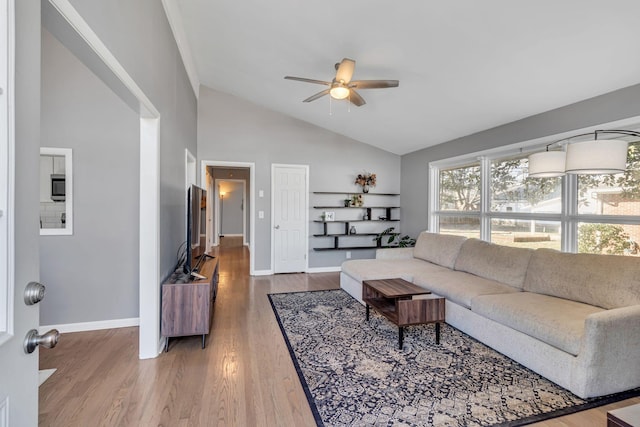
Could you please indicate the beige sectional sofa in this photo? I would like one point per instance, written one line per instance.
(573, 318)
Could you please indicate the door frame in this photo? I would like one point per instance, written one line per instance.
(7, 179)
(252, 199)
(306, 211)
(218, 225)
(150, 342)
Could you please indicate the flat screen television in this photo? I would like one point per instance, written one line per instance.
(196, 229)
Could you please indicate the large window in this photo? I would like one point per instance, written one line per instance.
(459, 200)
(494, 199)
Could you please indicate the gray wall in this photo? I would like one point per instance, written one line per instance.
(99, 262)
(138, 34)
(617, 105)
(236, 173)
(231, 219)
(231, 129)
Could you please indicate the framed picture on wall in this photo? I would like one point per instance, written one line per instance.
(329, 216)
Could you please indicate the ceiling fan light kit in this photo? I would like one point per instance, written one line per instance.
(342, 87)
(339, 91)
(593, 157)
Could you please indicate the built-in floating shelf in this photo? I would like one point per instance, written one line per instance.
(342, 231)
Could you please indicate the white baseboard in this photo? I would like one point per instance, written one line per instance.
(262, 272)
(232, 235)
(92, 326)
(324, 269)
(44, 375)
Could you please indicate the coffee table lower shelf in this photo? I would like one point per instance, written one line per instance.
(404, 304)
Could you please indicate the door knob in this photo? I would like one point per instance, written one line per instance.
(33, 293)
(48, 340)
(277, 227)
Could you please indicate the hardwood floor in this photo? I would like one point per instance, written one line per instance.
(244, 377)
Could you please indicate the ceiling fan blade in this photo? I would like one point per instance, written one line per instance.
(373, 84)
(302, 79)
(317, 95)
(344, 72)
(356, 99)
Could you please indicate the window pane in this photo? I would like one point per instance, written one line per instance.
(526, 233)
(617, 194)
(612, 239)
(460, 225)
(513, 191)
(460, 189)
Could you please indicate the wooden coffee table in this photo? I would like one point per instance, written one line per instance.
(400, 302)
(628, 416)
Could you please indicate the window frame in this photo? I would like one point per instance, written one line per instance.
(569, 218)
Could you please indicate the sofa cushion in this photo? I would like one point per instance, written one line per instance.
(460, 287)
(607, 281)
(555, 321)
(372, 269)
(441, 249)
(496, 262)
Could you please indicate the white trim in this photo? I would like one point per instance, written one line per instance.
(174, 17)
(68, 185)
(324, 269)
(149, 255)
(83, 29)
(306, 210)
(568, 218)
(190, 169)
(66, 328)
(433, 224)
(149, 333)
(7, 180)
(252, 197)
(263, 273)
(234, 235)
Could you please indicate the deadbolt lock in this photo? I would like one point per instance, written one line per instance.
(33, 293)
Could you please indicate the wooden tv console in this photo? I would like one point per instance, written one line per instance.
(187, 303)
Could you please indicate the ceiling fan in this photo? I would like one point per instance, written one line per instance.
(342, 87)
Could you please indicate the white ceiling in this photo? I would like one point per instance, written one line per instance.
(463, 65)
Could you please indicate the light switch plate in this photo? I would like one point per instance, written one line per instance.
(260, 214)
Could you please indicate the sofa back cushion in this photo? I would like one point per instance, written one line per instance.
(607, 281)
(441, 249)
(503, 264)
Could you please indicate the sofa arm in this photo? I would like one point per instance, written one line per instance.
(609, 359)
(394, 253)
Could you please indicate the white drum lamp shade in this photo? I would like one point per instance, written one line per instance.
(603, 156)
(547, 164)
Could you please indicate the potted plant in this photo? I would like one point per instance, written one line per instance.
(394, 239)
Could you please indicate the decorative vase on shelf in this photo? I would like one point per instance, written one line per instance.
(366, 180)
(352, 230)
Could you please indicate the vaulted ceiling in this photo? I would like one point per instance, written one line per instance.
(463, 65)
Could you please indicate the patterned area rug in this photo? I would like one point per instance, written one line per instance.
(354, 374)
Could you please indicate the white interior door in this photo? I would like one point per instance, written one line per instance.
(19, 234)
(290, 218)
